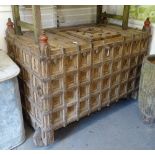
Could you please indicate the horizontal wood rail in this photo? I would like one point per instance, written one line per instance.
(124, 17)
(119, 17)
(25, 25)
(36, 14)
(35, 26)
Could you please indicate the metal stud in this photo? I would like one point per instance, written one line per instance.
(96, 51)
(108, 51)
(54, 61)
(71, 57)
(84, 54)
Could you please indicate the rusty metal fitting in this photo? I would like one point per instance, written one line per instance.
(43, 39)
(147, 22)
(9, 24)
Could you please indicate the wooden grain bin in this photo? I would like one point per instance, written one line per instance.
(78, 71)
(147, 89)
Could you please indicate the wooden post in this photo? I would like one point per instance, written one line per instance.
(99, 14)
(16, 19)
(36, 21)
(125, 17)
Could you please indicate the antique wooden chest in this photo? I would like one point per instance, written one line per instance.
(75, 71)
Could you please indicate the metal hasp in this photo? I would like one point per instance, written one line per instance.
(124, 17)
(35, 27)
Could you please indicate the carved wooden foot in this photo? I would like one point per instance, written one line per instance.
(37, 139)
(147, 120)
(41, 138)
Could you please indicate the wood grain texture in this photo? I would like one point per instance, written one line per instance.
(81, 70)
(26, 25)
(125, 17)
(36, 21)
(99, 14)
(16, 18)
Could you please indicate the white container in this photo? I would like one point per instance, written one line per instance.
(12, 131)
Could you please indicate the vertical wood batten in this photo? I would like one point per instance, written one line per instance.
(36, 21)
(78, 47)
(125, 17)
(16, 18)
(64, 89)
(99, 14)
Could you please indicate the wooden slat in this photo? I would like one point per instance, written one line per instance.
(16, 18)
(125, 17)
(36, 21)
(26, 25)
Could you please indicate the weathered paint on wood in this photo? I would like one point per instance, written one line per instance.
(75, 71)
(16, 18)
(35, 26)
(119, 17)
(26, 25)
(36, 21)
(125, 17)
(99, 14)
